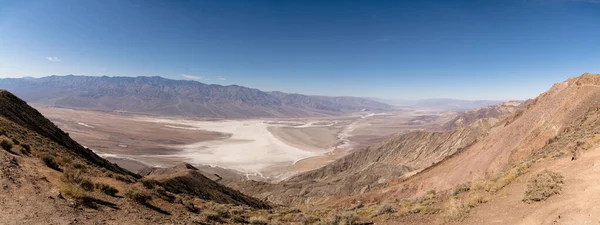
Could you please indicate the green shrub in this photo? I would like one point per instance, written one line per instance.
(543, 185)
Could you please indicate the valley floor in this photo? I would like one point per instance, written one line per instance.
(262, 149)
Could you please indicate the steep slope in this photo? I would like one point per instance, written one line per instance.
(470, 116)
(16, 110)
(48, 178)
(559, 126)
(156, 95)
(187, 179)
(371, 168)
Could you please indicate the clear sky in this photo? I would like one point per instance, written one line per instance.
(488, 49)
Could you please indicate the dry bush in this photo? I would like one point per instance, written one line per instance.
(138, 196)
(25, 149)
(348, 218)
(310, 220)
(73, 190)
(211, 216)
(384, 209)
(6, 145)
(50, 162)
(455, 211)
(77, 177)
(459, 189)
(543, 185)
(258, 221)
(148, 183)
(476, 199)
(106, 189)
(240, 219)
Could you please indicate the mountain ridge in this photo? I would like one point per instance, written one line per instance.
(162, 96)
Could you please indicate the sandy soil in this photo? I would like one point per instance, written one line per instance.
(579, 202)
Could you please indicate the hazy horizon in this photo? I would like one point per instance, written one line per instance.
(500, 50)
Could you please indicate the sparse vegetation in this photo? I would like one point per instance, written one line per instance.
(50, 162)
(384, 209)
(25, 149)
(462, 188)
(106, 189)
(122, 178)
(543, 185)
(138, 196)
(455, 210)
(73, 190)
(6, 145)
(259, 221)
(78, 178)
(148, 183)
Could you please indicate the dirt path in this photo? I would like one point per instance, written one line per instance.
(579, 202)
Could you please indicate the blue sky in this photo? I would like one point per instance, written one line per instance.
(496, 50)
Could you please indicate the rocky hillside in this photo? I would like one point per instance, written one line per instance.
(470, 116)
(514, 169)
(372, 167)
(47, 178)
(156, 95)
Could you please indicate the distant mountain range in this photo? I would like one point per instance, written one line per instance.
(161, 96)
(440, 103)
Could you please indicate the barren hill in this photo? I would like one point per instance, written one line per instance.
(501, 174)
(46, 177)
(470, 116)
(157, 95)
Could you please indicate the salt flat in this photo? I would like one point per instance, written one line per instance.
(265, 149)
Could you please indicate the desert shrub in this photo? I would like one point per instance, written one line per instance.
(138, 196)
(475, 200)
(66, 160)
(211, 216)
(543, 185)
(164, 195)
(310, 220)
(78, 166)
(25, 149)
(77, 177)
(240, 219)
(462, 188)
(87, 185)
(6, 145)
(73, 190)
(106, 189)
(122, 178)
(16, 142)
(259, 221)
(385, 209)
(455, 210)
(148, 183)
(50, 162)
(345, 219)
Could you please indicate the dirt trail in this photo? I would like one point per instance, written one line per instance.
(579, 202)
